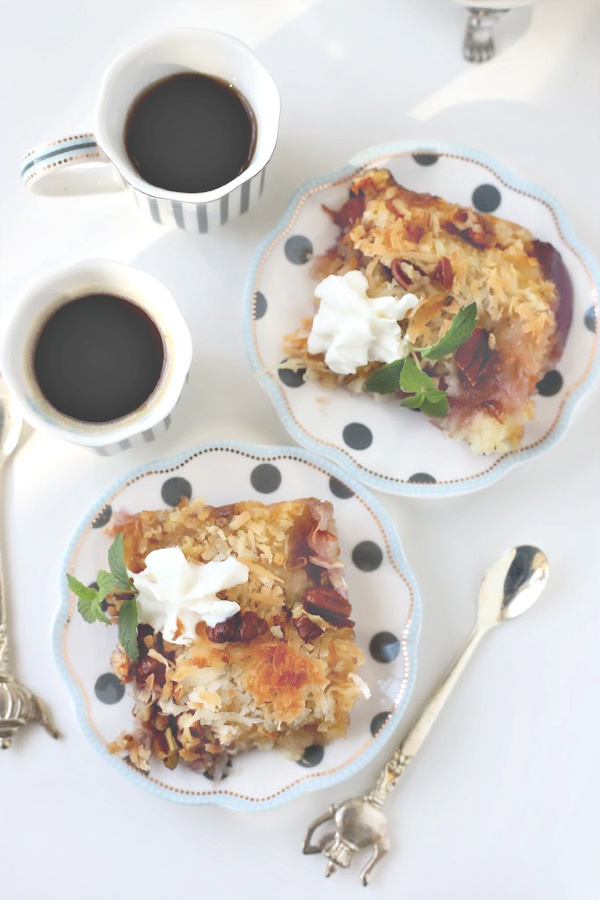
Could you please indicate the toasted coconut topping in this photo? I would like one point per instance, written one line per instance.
(450, 256)
(276, 674)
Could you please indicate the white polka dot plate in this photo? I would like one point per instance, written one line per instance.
(383, 445)
(384, 596)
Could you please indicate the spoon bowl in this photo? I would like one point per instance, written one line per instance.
(511, 585)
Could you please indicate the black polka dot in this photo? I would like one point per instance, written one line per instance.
(103, 517)
(426, 159)
(486, 198)
(550, 384)
(265, 478)
(298, 249)
(367, 556)
(421, 478)
(378, 721)
(174, 489)
(384, 646)
(591, 319)
(339, 489)
(108, 688)
(357, 436)
(260, 305)
(291, 378)
(312, 756)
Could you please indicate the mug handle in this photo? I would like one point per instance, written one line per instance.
(71, 165)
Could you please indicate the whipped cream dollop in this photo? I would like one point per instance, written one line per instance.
(352, 329)
(175, 593)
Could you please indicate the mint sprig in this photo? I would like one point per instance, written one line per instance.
(89, 604)
(386, 380)
(404, 375)
(116, 562)
(407, 375)
(128, 622)
(423, 391)
(90, 600)
(461, 329)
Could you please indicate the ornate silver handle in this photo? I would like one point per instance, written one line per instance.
(18, 705)
(419, 730)
(360, 822)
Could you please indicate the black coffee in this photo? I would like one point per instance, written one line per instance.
(190, 133)
(98, 358)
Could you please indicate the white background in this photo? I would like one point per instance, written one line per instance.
(503, 801)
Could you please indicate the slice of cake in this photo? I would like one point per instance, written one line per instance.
(279, 670)
(404, 267)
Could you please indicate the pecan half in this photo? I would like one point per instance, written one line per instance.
(474, 359)
(146, 667)
(331, 606)
(443, 273)
(308, 630)
(240, 627)
(251, 626)
(403, 270)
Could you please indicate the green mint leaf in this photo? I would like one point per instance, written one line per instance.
(435, 396)
(128, 621)
(385, 380)
(415, 401)
(461, 329)
(81, 590)
(413, 380)
(107, 583)
(435, 406)
(91, 611)
(89, 603)
(116, 562)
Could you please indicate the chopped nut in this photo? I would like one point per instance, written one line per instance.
(331, 606)
(405, 272)
(308, 630)
(443, 273)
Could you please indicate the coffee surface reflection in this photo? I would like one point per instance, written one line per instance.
(98, 358)
(190, 133)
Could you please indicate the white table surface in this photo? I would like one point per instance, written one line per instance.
(503, 801)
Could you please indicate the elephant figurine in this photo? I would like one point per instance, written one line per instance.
(358, 823)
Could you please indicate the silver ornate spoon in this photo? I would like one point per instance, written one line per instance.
(18, 705)
(512, 584)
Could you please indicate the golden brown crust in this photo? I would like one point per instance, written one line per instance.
(264, 678)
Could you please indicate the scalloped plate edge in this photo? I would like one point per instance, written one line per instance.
(309, 782)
